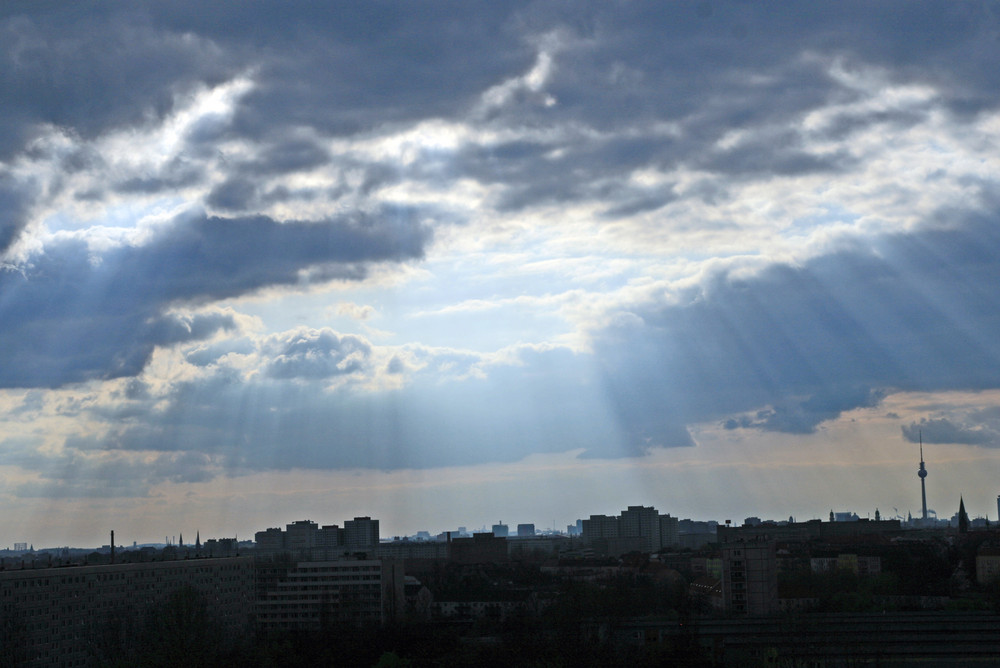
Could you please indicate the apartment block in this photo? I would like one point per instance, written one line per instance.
(311, 594)
(51, 616)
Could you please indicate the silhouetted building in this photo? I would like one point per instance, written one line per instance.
(269, 541)
(482, 548)
(644, 523)
(410, 550)
(361, 534)
(313, 594)
(304, 540)
(525, 530)
(599, 526)
(59, 613)
(300, 536)
(638, 528)
(669, 531)
(806, 531)
(330, 537)
(750, 577)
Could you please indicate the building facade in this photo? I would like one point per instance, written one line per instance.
(361, 534)
(750, 577)
(313, 594)
(54, 616)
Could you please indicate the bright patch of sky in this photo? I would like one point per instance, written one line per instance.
(649, 240)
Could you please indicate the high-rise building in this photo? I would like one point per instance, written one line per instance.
(269, 541)
(500, 530)
(330, 537)
(644, 523)
(300, 536)
(525, 530)
(361, 534)
(749, 577)
(669, 531)
(599, 526)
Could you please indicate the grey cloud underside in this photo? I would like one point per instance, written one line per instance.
(943, 430)
(318, 355)
(782, 350)
(794, 346)
(273, 424)
(347, 68)
(66, 319)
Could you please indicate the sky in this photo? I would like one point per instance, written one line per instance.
(453, 263)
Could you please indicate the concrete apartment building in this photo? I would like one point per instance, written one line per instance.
(750, 577)
(304, 539)
(311, 594)
(638, 528)
(51, 616)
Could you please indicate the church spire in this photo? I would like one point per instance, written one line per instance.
(963, 518)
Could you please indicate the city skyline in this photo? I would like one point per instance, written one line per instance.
(448, 264)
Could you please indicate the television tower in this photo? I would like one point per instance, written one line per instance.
(923, 474)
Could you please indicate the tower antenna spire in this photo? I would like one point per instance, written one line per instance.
(922, 472)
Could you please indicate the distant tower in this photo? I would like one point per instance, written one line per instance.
(923, 474)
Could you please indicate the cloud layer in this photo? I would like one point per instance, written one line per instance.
(279, 236)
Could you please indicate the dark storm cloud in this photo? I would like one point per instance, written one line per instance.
(89, 67)
(793, 346)
(234, 194)
(617, 71)
(943, 430)
(15, 198)
(68, 319)
(350, 68)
